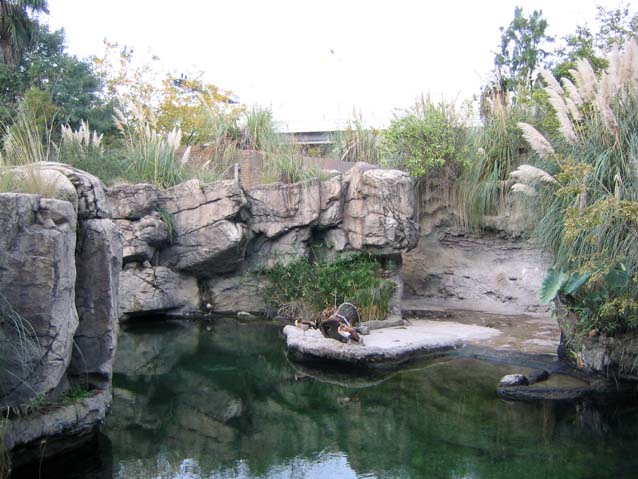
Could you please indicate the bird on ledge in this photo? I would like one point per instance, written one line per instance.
(349, 333)
(305, 324)
(337, 327)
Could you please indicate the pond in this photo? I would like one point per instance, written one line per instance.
(220, 400)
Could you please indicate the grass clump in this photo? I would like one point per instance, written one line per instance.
(19, 347)
(496, 150)
(151, 155)
(303, 288)
(75, 395)
(358, 142)
(26, 143)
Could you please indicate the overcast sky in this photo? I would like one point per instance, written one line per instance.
(314, 62)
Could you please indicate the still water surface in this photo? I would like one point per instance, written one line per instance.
(221, 400)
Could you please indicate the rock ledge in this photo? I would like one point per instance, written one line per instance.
(384, 348)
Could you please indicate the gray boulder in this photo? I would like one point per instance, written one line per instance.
(332, 198)
(265, 253)
(92, 200)
(208, 240)
(380, 215)
(207, 250)
(277, 208)
(98, 260)
(132, 202)
(37, 284)
(141, 239)
(234, 293)
(156, 289)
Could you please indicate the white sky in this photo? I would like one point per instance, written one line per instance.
(315, 62)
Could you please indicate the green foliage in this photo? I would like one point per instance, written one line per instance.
(286, 163)
(578, 45)
(305, 288)
(66, 84)
(427, 140)
(84, 148)
(18, 342)
(552, 283)
(521, 51)
(496, 150)
(259, 131)
(17, 27)
(588, 215)
(76, 395)
(152, 156)
(26, 144)
(167, 219)
(617, 26)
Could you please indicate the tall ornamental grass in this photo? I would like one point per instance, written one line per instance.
(587, 190)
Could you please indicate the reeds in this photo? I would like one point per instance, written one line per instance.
(358, 142)
(151, 156)
(26, 145)
(588, 213)
(496, 149)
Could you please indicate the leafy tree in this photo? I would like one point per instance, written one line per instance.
(17, 27)
(578, 45)
(144, 93)
(616, 27)
(70, 85)
(521, 51)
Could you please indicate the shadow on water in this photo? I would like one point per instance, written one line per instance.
(220, 400)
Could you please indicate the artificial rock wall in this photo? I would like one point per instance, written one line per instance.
(194, 248)
(60, 261)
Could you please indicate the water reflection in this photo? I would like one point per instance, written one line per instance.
(226, 403)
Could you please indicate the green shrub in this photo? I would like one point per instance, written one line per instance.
(427, 140)
(303, 289)
(151, 156)
(75, 395)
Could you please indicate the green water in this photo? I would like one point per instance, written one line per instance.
(222, 401)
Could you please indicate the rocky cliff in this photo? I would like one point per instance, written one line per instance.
(194, 248)
(59, 274)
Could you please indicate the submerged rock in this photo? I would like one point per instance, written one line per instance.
(513, 380)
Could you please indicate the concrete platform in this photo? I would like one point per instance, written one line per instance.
(385, 348)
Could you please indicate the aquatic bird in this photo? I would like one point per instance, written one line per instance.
(330, 329)
(305, 324)
(348, 333)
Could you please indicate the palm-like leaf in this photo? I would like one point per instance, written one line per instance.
(17, 27)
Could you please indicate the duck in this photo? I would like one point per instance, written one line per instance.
(330, 328)
(305, 324)
(349, 333)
